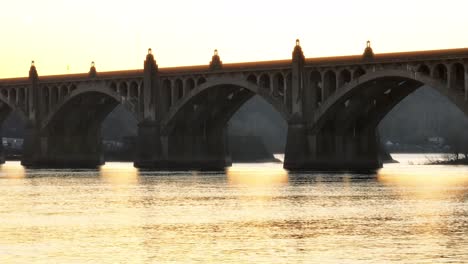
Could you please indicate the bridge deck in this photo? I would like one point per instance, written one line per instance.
(262, 65)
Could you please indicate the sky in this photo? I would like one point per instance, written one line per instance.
(65, 36)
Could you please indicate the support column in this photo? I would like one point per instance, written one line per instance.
(49, 103)
(149, 145)
(297, 89)
(34, 109)
(2, 150)
(466, 82)
(31, 145)
(298, 152)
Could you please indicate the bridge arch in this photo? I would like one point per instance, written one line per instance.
(457, 76)
(193, 131)
(344, 77)
(70, 133)
(440, 72)
(424, 69)
(358, 72)
(112, 97)
(12, 102)
(123, 89)
(374, 94)
(265, 81)
(344, 127)
(252, 78)
(229, 87)
(201, 80)
(189, 85)
(278, 84)
(134, 91)
(316, 86)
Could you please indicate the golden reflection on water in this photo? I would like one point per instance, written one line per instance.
(253, 214)
(12, 170)
(429, 194)
(119, 173)
(257, 176)
(426, 181)
(424, 176)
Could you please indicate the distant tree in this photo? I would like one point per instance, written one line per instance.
(457, 139)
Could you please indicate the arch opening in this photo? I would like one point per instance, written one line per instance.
(12, 97)
(424, 69)
(190, 85)
(278, 84)
(425, 121)
(133, 90)
(200, 127)
(72, 88)
(316, 82)
(256, 133)
(353, 121)
(119, 135)
(4, 93)
(358, 73)
(123, 89)
(113, 87)
(344, 78)
(252, 79)
(329, 83)
(264, 81)
(73, 132)
(22, 96)
(178, 89)
(440, 73)
(458, 76)
(201, 81)
(54, 96)
(63, 92)
(12, 125)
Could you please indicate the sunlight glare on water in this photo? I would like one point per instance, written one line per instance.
(252, 213)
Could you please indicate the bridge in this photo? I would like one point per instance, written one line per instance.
(332, 106)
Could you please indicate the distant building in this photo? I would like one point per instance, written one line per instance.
(12, 143)
(436, 140)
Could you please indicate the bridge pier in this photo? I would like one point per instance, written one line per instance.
(331, 151)
(2, 150)
(81, 149)
(180, 151)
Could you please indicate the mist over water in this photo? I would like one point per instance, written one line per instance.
(251, 214)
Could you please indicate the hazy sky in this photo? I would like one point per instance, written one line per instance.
(65, 36)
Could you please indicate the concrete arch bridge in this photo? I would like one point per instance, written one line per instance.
(332, 105)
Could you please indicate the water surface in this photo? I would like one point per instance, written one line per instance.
(250, 214)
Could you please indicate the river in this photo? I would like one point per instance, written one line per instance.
(405, 213)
